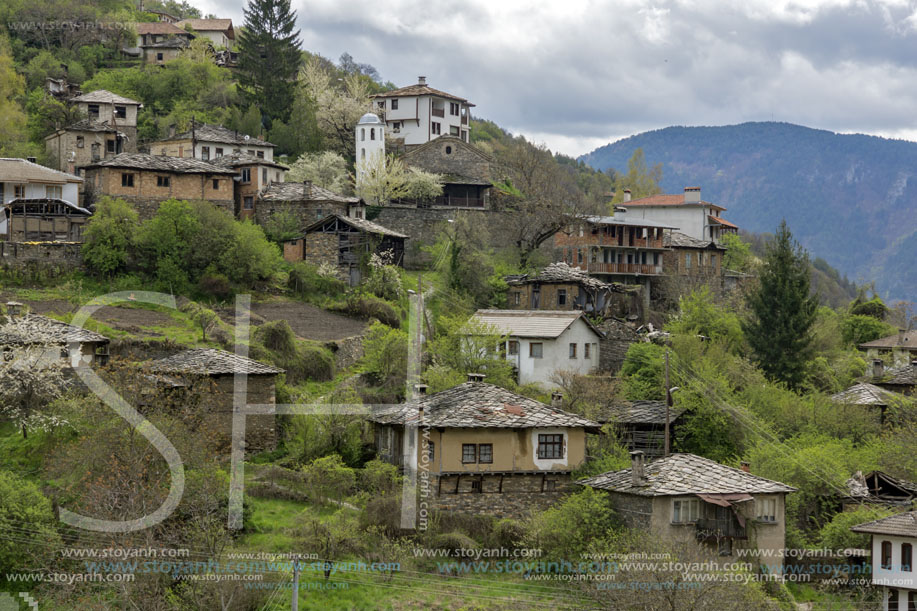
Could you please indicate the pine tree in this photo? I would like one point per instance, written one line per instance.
(269, 57)
(783, 311)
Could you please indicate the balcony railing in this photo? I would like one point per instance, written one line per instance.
(621, 268)
(712, 528)
(601, 239)
(439, 112)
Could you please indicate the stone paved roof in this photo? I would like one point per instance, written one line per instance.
(88, 126)
(101, 96)
(676, 239)
(857, 486)
(160, 28)
(241, 158)
(209, 25)
(301, 191)
(547, 324)
(639, 412)
(161, 163)
(32, 329)
(900, 376)
(907, 339)
(561, 273)
(417, 89)
(208, 361)
(169, 43)
(902, 524)
(480, 405)
(361, 224)
(20, 170)
(217, 133)
(867, 394)
(620, 219)
(686, 474)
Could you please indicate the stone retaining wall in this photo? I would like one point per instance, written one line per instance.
(41, 259)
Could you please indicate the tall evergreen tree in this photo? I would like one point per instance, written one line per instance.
(779, 329)
(269, 57)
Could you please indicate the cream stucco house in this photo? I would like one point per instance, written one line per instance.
(893, 542)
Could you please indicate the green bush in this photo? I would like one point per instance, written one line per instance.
(643, 371)
(378, 477)
(329, 478)
(837, 535)
(859, 328)
(24, 507)
(304, 280)
(369, 306)
(568, 529)
(109, 237)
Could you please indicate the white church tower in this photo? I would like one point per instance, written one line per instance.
(370, 144)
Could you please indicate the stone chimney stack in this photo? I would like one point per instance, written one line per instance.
(13, 309)
(626, 195)
(421, 80)
(692, 195)
(307, 188)
(636, 469)
(746, 466)
(476, 377)
(421, 389)
(557, 399)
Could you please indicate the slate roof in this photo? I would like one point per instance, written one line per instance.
(480, 405)
(88, 126)
(858, 485)
(20, 170)
(32, 329)
(547, 324)
(901, 524)
(622, 220)
(361, 224)
(867, 394)
(235, 160)
(662, 199)
(161, 163)
(899, 376)
(677, 239)
(639, 412)
(417, 89)
(169, 43)
(23, 202)
(300, 191)
(686, 474)
(209, 25)
(101, 96)
(217, 133)
(908, 339)
(209, 361)
(722, 221)
(557, 273)
(159, 28)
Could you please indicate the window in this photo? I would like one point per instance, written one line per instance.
(477, 485)
(381, 104)
(436, 128)
(259, 154)
(454, 131)
(159, 57)
(536, 350)
(453, 109)
(550, 446)
(685, 510)
(713, 261)
(469, 453)
(362, 153)
(250, 152)
(219, 152)
(248, 202)
(216, 184)
(465, 135)
(93, 111)
(120, 112)
(907, 557)
(162, 181)
(687, 260)
(396, 127)
(127, 180)
(887, 555)
(766, 509)
(892, 600)
(486, 453)
(431, 451)
(572, 350)
(561, 297)
(513, 347)
(263, 176)
(586, 351)
(246, 174)
(517, 298)
(912, 601)
(110, 146)
(96, 147)
(395, 104)
(79, 142)
(448, 150)
(550, 485)
(54, 192)
(205, 153)
(579, 255)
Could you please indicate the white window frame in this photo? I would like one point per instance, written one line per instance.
(685, 511)
(766, 510)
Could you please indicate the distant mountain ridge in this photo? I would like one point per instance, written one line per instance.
(848, 198)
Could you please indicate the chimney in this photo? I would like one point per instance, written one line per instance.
(626, 195)
(476, 377)
(557, 399)
(171, 132)
(13, 308)
(692, 195)
(421, 389)
(636, 468)
(878, 368)
(421, 80)
(307, 190)
(901, 332)
(746, 466)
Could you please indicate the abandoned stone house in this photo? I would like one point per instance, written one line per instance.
(640, 425)
(147, 180)
(85, 142)
(104, 107)
(307, 201)
(255, 176)
(74, 346)
(878, 488)
(689, 256)
(561, 287)
(42, 220)
(901, 379)
(345, 243)
(479, 448)
(219, 32)
(207, 142)
(158, 41)
(870, 396)
(204, 379)
(683, 495)
(902, 347)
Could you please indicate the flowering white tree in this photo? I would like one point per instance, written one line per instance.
(384, 179)
(327, 170)
(338, 107)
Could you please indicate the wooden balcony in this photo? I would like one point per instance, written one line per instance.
(439, 112)
(602, 239)
(715, 528)
(638, 269)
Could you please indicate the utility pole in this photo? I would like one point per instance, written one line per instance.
(668, 402)
(295, 603)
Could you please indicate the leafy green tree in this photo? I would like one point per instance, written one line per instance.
(568, 529)
(643, 371)
(282, 226)
(252, 257)
(874, 307)
(269, 56)
(641, 180)
(837, 535)
(699, 315)
(783, 311)
(167, 242)
(109, 237)
(24, 508)
(859, 328)
(738, 255)
(12, 118)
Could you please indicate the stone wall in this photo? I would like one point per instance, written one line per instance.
(612, 350)
(41, 259)
(307, 211)
(450, 156)
(522, 493)
(346, 351)
(322, 248)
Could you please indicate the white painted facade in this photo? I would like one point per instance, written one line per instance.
(9, 187)
(690, 213)
(555, 354)
(421, 118)
(895, 582)
(369, 140)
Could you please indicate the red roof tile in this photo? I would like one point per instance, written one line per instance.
(724, 222)
(664, 199)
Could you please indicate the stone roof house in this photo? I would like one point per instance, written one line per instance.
(255, 176)
(640, 425)
(85, 142)
(689, 256)
(75, 346)
(467, 172)
(878, 487)
(688, 495)
(486, 449)
(307, 201)
(207, 142)
(419, 113)
(219, 32)
(901, 379)
(208, 375)
(893, 541)
(560, 287)
(541, 343)
(902, 346)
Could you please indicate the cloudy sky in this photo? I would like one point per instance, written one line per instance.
(577, 74)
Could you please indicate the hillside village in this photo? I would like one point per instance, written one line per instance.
(361, 349)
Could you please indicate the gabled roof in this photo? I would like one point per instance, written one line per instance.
(639, 412)
(418, 90)
(621, 219)
(867, 394)
(86, 125)
(209, 25)
(662, 199)
(902, 524)
(557, 273)
(676, 239)
(899, 376)
(161, 163)
(28, 202)
(35, 329)
(871, 484)
(479, 405)
(686, 474)
(217, 133)
(546, 324)
(447, 139)
(721, 221)
(359, 224)
(20, 170)
(169, 43)
(235, 160)
(159, 28)
(208, 361)
(905, 339)
(304, 191)
(101, 96)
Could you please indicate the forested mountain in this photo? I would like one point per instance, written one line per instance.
(849, 199)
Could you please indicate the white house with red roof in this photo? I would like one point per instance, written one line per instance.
(418, 113)
(688, 211)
